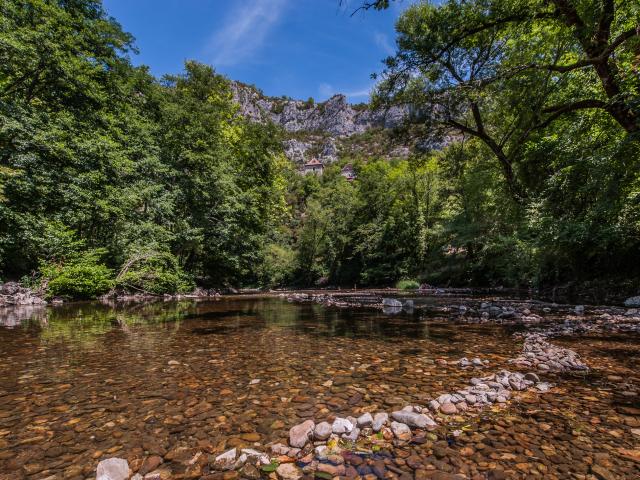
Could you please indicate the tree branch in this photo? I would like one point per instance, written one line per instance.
(604, 23)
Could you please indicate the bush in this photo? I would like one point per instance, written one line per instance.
(82, 278)
(155, 273)
(277, 266)
(407, 285)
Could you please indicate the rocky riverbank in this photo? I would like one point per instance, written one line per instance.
(220, 396)
(360, 446)
(14, 294)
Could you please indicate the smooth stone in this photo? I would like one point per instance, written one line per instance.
(113, 469)
(341, 425)
(448, 408)
(288, 471)
(532, 377)
(322, 431)
(353, 435)
(401, 431)
(416, 420)
(365, 420)
(300, 434)
(379, 420)
(321, 452)
(632, 302)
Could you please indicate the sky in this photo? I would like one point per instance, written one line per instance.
(299, 48)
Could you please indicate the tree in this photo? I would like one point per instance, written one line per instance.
(525, 62)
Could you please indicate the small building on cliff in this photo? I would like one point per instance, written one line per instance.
(313, 166)
(348, 172)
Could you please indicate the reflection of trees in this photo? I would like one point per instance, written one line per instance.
(84, 323)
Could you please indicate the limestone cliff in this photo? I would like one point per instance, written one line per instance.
(320, 130)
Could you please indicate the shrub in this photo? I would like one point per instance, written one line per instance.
(278, 264)
(81, 278)
(407, 285)
(155, 273)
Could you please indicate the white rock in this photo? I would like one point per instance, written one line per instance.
(321, 451)
(379, 420)
(401, 430)
(353, 435)
(322, 431)
(391, 302)
(342, 425)
(226, 460)
(113, 469)
(253, 455)
(300, 434)
(279, 449)
(365, 420)
(417, 420)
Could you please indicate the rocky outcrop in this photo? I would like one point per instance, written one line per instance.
(335, 116)
(12, 293)
(324, 125)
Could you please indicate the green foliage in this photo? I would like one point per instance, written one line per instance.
(407, 285)
(277, 266)
(153, 273)
(108, 169)
(99, 154)
(83, 277)
(372, 231)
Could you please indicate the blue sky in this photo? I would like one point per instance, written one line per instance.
(300, 48)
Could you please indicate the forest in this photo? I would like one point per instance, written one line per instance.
(114, 180)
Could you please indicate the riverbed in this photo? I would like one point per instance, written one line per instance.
(155, 383)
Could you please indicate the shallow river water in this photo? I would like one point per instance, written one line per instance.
(85, 382)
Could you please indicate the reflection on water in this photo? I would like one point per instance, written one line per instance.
(14, 316)
(82, 322)
(86, 381)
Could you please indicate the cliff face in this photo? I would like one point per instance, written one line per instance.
(335, 116)
(316, 129)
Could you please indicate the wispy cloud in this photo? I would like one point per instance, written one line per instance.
(382, 40)
(328, 90)
(365, 92)
(245, 31)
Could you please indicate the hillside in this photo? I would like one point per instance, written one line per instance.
(332, 129)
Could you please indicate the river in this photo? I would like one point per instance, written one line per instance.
(169, 380)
